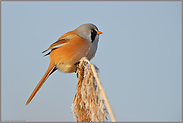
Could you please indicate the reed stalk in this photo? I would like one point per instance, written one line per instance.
(90, 102)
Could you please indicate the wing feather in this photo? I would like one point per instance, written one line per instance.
(57, 44)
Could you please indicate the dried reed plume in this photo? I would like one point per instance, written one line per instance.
(90, 101)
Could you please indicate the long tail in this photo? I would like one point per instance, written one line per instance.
(49, 71)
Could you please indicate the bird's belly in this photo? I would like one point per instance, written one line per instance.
(66, 67)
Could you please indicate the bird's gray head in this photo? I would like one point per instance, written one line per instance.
(88, 31)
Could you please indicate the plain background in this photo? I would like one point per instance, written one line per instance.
(139, 57)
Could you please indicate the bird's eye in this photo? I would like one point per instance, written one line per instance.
(93, 35)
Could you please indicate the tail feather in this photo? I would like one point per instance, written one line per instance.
(49, 71)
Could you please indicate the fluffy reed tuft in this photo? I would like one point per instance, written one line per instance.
(88, 104)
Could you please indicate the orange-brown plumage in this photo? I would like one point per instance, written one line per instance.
(70, 53)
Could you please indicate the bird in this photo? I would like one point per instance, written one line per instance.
(66, 52)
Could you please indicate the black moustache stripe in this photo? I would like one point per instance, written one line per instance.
(93, 35)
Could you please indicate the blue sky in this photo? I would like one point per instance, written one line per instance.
(139, 57)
